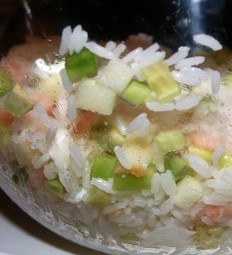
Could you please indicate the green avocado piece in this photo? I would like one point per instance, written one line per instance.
(18, 102)
(130, 182)
(103, 166)
(81, 65)
(55, 186)
(6, 83)
(170, 140)
(177, 165)
(136, 92)
(160, 80)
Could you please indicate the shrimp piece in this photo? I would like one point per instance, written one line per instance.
(6, 117)
(36, 178)
(215, 213)
(21, 57)
(207, 141)
(85, 121)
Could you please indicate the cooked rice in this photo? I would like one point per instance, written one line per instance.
(207, 41)
(188, 62)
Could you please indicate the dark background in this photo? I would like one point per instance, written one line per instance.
(172, 23)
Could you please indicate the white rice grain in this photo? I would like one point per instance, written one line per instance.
(47, 121)
(103, 184)
(77, 40)
(65, 80)
(71, 108)
(66, 33)
(178, 56)
(119, 49)
(99, 50)
(120, 154)
(199, 165)
(219, 150)
(158, 107)
(192, 61)
(110, 45)
(208, 41)
(113, 208)
(41, 161)
(121, 126)
(140, 124)
(181, 77)
(168, 184)
(188, 101)
(153, 58)
(215, 81)
(132, 55)
(50, 135)
(196, 72)
(50, 171)
(77, 156)
(143, 55)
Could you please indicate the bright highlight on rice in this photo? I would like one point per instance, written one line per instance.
(134, 144)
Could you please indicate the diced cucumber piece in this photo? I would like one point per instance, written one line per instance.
(18, 102)
(103, 167)
(129, 182)
(94, 97)
(98, 197)
(208, 237)
(225, 160)
(6, 83)
(136, 92)
(81, 65)
(55, 186)
(177, 165)
(170, 140)
(160, 80)
(116, 75)
(203, 153)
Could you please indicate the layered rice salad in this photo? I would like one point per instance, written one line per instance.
(134, 140)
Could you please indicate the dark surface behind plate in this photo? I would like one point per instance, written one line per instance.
(171, 22)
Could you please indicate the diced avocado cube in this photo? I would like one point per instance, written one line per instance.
(203, 153)
(170, 140)
(81, 65)
(130, 182)
(136, 92)
(55, 186)
(177, 165)
(18, 102)
(208, 237)
(98, 197)
(6, 83)
(160, 80)
(225, 160)
(103, 167)
(4, 136)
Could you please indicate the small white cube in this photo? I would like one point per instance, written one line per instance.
(116, 75)
(94, 97)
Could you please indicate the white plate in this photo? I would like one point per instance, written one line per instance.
(21, 235)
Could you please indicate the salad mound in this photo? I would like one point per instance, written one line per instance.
(139, 140)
